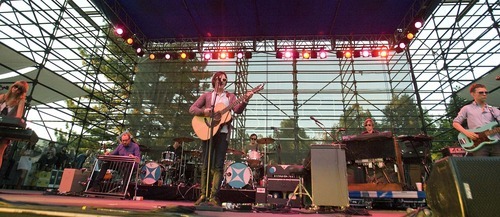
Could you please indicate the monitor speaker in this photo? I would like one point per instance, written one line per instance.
(464, 186)
(329, 176)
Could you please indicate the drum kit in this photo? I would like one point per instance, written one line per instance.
(241, 170)
(247, 172)
(171, 169)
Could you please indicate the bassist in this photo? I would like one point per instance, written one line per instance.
(478, 114)
(203, 106)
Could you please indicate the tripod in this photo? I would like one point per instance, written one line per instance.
(300, 190)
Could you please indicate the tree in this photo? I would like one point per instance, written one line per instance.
(402, 116)
(352, 119)
(292, 152)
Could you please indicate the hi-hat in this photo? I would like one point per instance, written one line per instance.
(265, 140)
(183, 139)
(234, 151)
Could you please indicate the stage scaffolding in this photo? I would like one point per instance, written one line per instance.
(70, 39)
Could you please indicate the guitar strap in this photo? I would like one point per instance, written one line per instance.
(493, 114)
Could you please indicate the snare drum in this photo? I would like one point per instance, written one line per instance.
(151, 172)
(238, 175)
(167, 157)
(253, 158)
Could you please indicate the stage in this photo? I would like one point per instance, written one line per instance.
(53, 204)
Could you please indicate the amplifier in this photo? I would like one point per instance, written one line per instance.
(453, 152)
(281, 171)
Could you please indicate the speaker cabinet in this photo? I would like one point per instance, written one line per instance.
(72, 180)
(329, 176)
(464, 186)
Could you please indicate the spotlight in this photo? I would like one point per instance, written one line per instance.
(314, 54)
(230, 55)
(184, 55)
(410, 35)
(152, 56)
(322, 54)
(348, 54)
(248, 55)
(306, 54)
(288, 54)
(296, 54)
(119, 31)
(129, 41)
(375, 53)
(279, 55)
(418, 23)
(398, 49)
(339, 54)
(139, 51)
(240, 55)
(356, 53)
(365, 53)
(223, 55)
(168, 56)
(402, 45)
(206, 56)
(191, 55)
(383, 52)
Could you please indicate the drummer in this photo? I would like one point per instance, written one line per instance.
(252, 146)
(176, 148)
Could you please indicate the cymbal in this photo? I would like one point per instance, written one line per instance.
(265, 140)
(183, 139)
(234, 151)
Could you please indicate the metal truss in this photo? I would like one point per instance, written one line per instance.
(459, 43)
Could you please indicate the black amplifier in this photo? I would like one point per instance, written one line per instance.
(282, 171)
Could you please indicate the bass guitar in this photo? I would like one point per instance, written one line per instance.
(485, 133)
(201, 124)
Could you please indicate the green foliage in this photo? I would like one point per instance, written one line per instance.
(401, 116)
(293, 151)
(353, 119)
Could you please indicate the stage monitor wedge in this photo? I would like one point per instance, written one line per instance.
(464, 186)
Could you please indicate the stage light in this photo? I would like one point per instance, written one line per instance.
(129, 41)
(288, 54)
(184, 55)
(322, 54)
(296, 54)
(306, 54)
(314, 54)
(356, 53)
(375, 53)
(339, 54)
(279, 55)
(365, 53)
(248, 55)
(402, 45)
(223, 55)
(240, 55)
(152, 56)
(348, 54)
(398, 49)
(139, 51)
(168, 56)
(230, 55)
(418, 23)
(383, 52)
(207, 56)
(410, 35)
(119, 31)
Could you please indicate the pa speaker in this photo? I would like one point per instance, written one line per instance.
(464, 186)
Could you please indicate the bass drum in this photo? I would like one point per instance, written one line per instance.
(238, 175)
(151, 173)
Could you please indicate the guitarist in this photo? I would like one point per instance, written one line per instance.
(203, 107)
(477, 114)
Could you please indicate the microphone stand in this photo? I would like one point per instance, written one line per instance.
(278, 149)
(210, 140)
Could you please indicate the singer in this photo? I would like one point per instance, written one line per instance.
(203, 107)
(478, 114)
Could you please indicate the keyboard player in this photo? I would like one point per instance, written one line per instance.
(369, 127)
(12, 105)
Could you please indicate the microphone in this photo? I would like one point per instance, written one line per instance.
(314, 119)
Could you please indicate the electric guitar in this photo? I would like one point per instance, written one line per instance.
(201, 124)
(485, 133)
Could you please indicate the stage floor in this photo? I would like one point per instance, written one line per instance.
(40, 203)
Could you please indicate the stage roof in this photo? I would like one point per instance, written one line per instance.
(157, 20)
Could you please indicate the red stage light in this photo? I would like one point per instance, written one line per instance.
(206, 56)
(248, 55)
(339, 54)
(240, 55)
(322, 54)
(279, 55)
